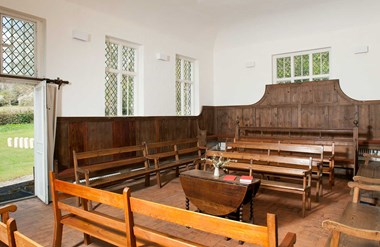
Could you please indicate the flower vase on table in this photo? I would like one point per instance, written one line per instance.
(216, 172)
(217, 163)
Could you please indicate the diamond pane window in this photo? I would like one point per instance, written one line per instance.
(111, 94)
(184, 85)
(111, 55)
(121, 78)
(18, 47)
(178, 97)
(129, 59)
(302, 66)
(128, 95)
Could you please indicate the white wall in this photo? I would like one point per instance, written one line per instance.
(82, 63)
(341, 25)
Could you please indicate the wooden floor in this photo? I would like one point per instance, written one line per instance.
(35, 219)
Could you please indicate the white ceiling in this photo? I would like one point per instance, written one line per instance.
(218, 13)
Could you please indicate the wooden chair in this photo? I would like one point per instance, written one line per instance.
(359, 224)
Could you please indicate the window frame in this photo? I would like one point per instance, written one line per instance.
(183, 82)
(120, 72)
(292, 77)
(39, 39)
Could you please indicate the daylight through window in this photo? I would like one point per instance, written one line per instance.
(184, 85)
(121, 78)
(312, 65)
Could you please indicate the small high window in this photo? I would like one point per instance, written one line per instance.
(18, 46)
(121, 77)
(312, 65)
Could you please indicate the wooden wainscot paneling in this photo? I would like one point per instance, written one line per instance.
(319, 104)
(297, 105)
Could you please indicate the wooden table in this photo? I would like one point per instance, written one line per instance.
(215, 196)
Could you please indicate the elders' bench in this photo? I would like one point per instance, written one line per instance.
(101, 168)
(172, 154)
(360, 223)
(279, 166)
(124, 232)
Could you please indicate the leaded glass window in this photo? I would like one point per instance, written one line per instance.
(184, 85)
(303, 66)
(121, 78)
(18, 46)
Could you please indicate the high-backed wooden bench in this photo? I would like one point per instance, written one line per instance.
(279, 166)
(101, 168)
(359, 224)
(124, 232)
(172, 154)
(8, 230)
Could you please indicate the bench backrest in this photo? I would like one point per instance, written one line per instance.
(303, 162)
(174, 149)
(112, 158)
(24, 241)
(279, 148)
(250, 233)
(61, 190)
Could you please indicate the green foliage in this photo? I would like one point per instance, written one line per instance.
(15, 162)
(16, 117)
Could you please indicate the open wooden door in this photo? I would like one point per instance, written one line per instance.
(41, 181)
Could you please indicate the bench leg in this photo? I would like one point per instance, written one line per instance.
(321, 187)
(158, 178)
(303, 203)
(147, 180)
(317, 192)
(57, 241)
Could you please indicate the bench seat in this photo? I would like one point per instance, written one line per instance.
(282, 186)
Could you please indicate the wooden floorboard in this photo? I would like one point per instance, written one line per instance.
(35, 219)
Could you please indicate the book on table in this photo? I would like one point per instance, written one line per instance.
(246, 179)
(229, 177)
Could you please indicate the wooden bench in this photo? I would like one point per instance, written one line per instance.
(371, 170)
(345, 140)
(359, 224)
(278, 166)
(90, 222)
(172, 154)
(126, 233)
(9, 235)
(285, 149)
(102, 168)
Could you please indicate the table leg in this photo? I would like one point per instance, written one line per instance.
(241, 219)
(251, 219)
